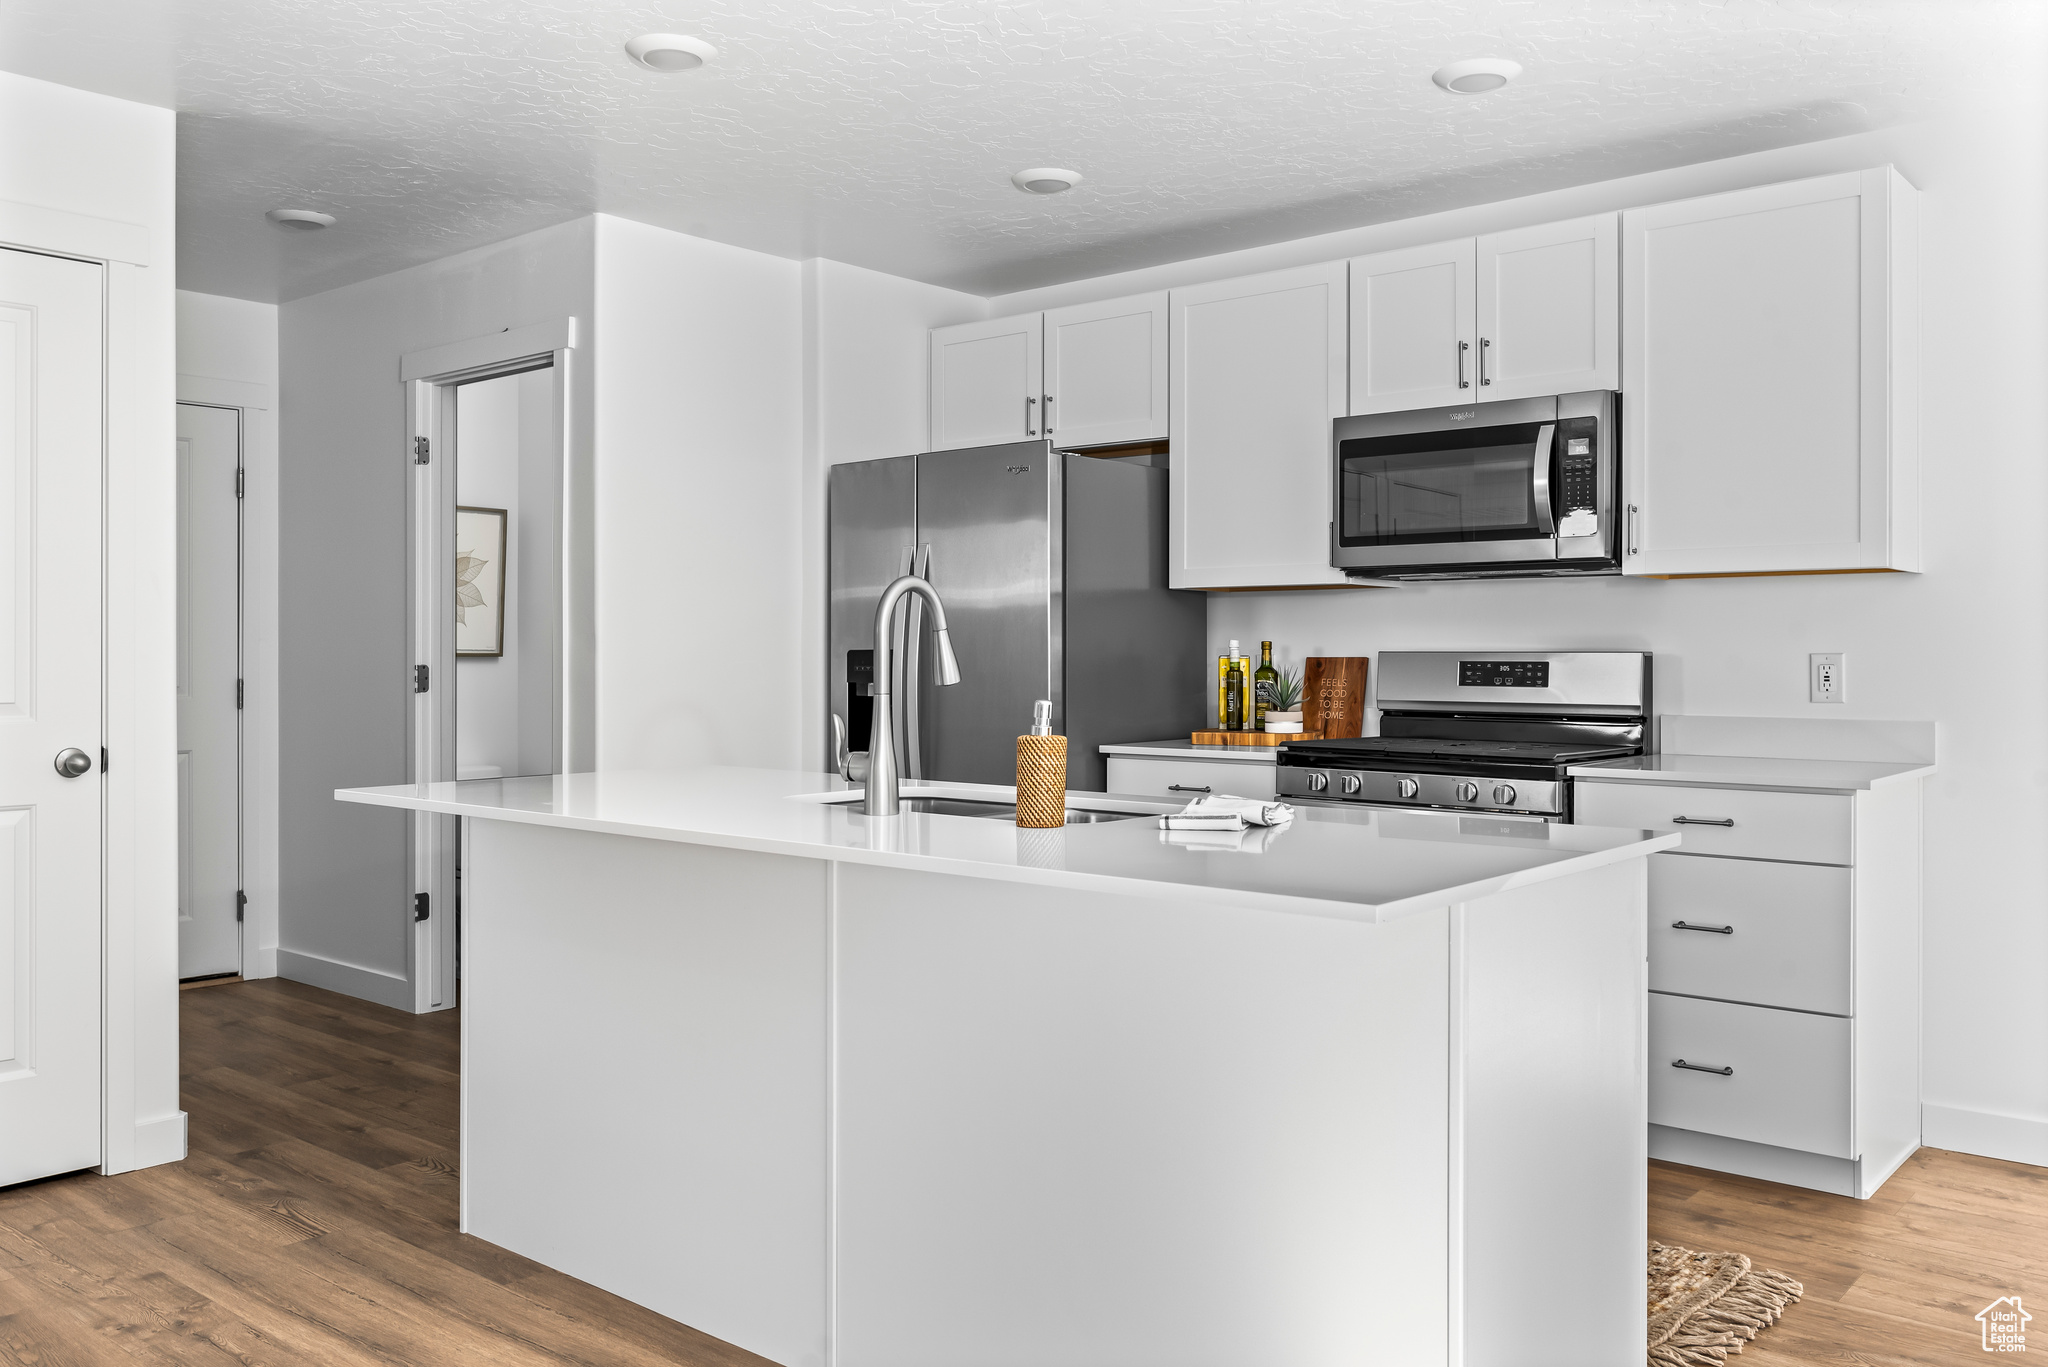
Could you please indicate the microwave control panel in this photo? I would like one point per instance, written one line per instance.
(1579, 465)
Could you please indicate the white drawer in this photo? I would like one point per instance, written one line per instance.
(1189, 779)
(1787, 940)
(1790, 1084)
(1812, 827)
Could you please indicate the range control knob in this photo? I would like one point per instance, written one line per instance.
(1504, 794)
(1408, 787)
(1468, 792)
(1317, 782)
(1350, 784)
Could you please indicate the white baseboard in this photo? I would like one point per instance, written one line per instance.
(1987, 1134)
(156, 1141)
(372, 985)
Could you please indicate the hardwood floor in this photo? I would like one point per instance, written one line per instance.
(314, 1223)
(1896, 1279)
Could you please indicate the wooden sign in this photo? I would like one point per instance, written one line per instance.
(1333, 694)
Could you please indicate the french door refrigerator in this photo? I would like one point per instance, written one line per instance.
(1052, 567)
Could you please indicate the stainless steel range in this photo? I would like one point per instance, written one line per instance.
(1481, 731)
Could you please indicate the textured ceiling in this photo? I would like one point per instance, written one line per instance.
(884, 134)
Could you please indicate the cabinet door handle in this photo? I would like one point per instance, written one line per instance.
(1187, 787)
(1047, 411)
(1701, 1068)
(1703, 821)
(1030, 416)
(1463, 347)
(1631, 529)
(1485, 344)
(1711, 930)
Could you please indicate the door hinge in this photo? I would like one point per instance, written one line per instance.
(238, 695)
(420, 448)
(419, 678)
(241, 903)
(238, 481)
(103, 761)
(419, 906)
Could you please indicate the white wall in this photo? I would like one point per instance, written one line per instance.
(72, 153)
(345, 664)
(1949, 644)
(699, 408)
(227, 353)
(866, 363)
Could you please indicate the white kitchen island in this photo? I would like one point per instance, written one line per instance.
(933, 1091)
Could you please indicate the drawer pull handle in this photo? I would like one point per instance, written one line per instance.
(1711, 930)
(1701, 1068)
(1703, 821)
(1187, 787)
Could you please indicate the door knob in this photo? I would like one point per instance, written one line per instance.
(73, 762)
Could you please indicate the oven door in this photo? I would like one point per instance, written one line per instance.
(1446, 487)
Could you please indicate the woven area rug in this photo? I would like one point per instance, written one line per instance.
(1704, 1306)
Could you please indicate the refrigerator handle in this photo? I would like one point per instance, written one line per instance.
(913, 670)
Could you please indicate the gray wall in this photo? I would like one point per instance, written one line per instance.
(345, 892)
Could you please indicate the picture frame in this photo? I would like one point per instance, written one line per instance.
(480, 545)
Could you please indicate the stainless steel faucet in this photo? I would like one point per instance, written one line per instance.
(883, 798)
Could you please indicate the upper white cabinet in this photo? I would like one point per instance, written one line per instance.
(1549, 311)
(1105, 372)
(1258, 375)
(1090, 375)
(1414, 328)
(1511, 315)
(985, 385)
(1770, 362)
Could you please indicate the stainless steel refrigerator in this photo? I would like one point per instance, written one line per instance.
(1052, 567)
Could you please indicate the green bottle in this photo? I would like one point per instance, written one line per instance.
(1263, 684)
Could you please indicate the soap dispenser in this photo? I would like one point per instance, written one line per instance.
(1041, 772)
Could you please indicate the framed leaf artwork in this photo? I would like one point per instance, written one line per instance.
(479, 581)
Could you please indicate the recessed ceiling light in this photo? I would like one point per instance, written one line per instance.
(302, 219)
(1476, 75)
(670, 52)
(1045, 180)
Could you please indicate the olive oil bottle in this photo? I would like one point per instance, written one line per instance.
(1234, 693)
(1263, 684)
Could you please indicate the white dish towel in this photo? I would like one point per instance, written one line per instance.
(1225, 813)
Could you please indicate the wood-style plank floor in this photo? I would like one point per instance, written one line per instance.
(314, 1223)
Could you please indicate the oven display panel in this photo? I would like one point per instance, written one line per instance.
(1503, 673)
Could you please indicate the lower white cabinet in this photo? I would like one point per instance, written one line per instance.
(1784, 944)
(1191, 778)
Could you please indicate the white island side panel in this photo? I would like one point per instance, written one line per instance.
(1085, 1129)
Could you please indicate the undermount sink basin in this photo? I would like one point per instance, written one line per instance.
(1004, 811)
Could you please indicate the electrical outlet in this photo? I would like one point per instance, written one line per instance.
(1824, 677)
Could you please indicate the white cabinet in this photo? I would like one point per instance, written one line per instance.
(1414, 331)
(1769, 358)
(1784, 956)
(1549, 309)
(1105, 372)
(985, 384)
(1090, 375)
(1258, 375)
(1187, 779)
(1511, 315)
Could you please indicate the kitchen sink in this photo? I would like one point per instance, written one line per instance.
(987, 809)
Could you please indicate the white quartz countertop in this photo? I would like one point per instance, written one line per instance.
(1359, 865)
(1186, 749)
(1743, 771)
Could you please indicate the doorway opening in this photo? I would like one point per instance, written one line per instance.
(210, 692)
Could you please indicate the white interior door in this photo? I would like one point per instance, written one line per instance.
(1412, 339)
(51, 387)
(209, 675)
(1105, 372)
(1549, 309)
(986, 382)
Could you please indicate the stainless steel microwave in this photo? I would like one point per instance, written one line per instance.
(1489, 490)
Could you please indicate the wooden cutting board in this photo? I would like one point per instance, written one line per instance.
(1252, 737)
(1333, 694)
